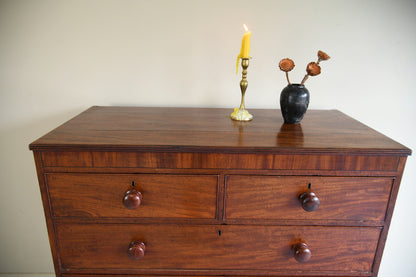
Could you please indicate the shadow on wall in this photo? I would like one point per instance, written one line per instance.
(21, 212)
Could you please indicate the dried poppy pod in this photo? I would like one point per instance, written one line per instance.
(322, 56)
(313, 69)
(286, 65)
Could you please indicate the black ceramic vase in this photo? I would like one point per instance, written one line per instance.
(294, 101)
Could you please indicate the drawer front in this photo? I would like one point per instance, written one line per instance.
(218, 247)
(274, 197)
(163, 195)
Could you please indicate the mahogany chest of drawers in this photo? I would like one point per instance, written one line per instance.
(189, 192)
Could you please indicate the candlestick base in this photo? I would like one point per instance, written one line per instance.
(241, 115)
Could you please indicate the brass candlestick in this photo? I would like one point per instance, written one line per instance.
(241, 114)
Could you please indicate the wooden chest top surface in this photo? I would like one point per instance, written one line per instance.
(207, 129)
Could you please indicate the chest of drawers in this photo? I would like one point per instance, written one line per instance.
(133, 191)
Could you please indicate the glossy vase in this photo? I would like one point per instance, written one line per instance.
(294, 101)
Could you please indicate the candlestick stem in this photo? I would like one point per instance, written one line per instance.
(244, 82)
(242, 114)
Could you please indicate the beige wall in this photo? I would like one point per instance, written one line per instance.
(59, 57)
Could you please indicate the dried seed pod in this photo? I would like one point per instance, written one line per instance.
(313, 69)
(286, 65)
(322, 56)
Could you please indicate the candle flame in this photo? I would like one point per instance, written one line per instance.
(245, 27)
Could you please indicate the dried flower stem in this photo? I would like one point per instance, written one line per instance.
(287, 77)
(304, 79)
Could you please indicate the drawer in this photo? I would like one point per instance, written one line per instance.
(277, 198)
(162, 195)
(217, 247)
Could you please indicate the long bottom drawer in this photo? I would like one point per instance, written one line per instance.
(101, 247)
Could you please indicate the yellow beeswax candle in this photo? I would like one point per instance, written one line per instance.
(245, 46)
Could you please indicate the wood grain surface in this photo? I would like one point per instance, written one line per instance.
(263, 161)
(191, 129)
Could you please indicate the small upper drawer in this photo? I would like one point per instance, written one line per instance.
(279, 197)
(161, 195)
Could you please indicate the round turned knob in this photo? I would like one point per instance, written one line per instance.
(136, 250)
(132, 199)
(310, 202)
(301, 252)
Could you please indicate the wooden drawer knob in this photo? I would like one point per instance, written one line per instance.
(301, 252)
(132, 199)
(310, 202)
(136, 250)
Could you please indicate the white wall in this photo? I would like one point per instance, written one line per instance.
(59, 57)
